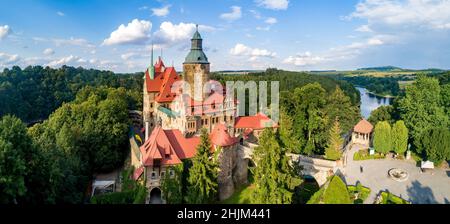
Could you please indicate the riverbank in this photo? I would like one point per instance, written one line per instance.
(377, 94)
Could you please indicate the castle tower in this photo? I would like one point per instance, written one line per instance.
(149, 100)
(196, 68)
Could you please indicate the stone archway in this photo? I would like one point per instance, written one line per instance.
(155, 196)
(305, 190)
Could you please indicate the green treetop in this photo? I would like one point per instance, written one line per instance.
(202, 180)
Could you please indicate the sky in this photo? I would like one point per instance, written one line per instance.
(298, 35)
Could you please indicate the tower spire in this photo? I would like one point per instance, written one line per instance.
(151, 71)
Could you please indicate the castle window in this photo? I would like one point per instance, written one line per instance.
(163, 174)
(151, 105)
(225, 118)
(171, 173)
(153, 175)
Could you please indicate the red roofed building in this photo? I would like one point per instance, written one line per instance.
(253, 124)
(174, 114)
(362, 133)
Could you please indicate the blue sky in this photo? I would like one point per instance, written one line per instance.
(238, 34)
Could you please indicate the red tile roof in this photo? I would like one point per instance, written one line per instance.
(162, 82)
(220, 136)
(167, 147)
(259, 121)
(159, 66)
(363, 126)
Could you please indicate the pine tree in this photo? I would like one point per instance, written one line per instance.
(274, 177)
(202, 180)
(286, 133)
(382, 140)
(399, 137)
(333, 150)
(171, 185)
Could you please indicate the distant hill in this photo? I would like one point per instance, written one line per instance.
(381, 69)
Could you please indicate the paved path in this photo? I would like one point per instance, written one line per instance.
(420, 188)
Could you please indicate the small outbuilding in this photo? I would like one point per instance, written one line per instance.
(362, 133)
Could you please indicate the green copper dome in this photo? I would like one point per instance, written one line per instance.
(196, 55)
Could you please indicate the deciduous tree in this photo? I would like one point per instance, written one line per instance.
(399, 137)
(382, 140)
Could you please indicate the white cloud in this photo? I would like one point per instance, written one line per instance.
(136, 32)
(430, 14)
(303, 59)
(253, 53)
(48, 51)
(127, 56)
(256, 14)
(364, 29)
(271, 20)
(4, 31)
(8, 59)
(143, 8)
(63, 61)
(71, 41)
(163, 11)
(59, 13)
(260, 28)
(273, 4)
(339, 53)
(170, 34)
(235, 14)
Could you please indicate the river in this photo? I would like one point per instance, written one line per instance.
(370, 102)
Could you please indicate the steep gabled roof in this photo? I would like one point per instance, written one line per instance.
(159, 66)
(165, 93)
(167, 146)
(220, 136)
(363, 127)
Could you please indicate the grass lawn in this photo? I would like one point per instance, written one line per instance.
(358, 197)
(240, 196)
(364, 155)
(388, 198)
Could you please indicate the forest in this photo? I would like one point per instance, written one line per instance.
(33, 93)
(83, 125)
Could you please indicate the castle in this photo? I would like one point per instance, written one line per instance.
(176, 107)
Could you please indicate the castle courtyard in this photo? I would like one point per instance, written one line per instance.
(419, 188)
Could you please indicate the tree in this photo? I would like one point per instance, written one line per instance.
(333, 150)
(382, 113)
(203, 174)
(382, 140)
(434, 144)
(286, 132)
(274, 178)
(399, 137)
(333, 192)
(309, 118)
(171, 185)
(421, 107)
(15, 154)
(340, 106)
